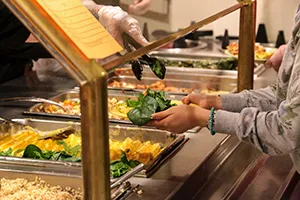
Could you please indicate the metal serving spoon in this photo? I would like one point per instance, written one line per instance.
(10, 126)
(34, 99)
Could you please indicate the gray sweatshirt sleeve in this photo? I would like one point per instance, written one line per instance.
(263, 99)
(274, 132)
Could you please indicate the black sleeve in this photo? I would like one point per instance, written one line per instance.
(13, 36)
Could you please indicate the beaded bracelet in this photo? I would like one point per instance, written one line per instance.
(211, 121)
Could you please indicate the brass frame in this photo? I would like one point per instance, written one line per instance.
(93, 94)
(93, 80)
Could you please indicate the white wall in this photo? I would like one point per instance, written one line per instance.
(276, 14)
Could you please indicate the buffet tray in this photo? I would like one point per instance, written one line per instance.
(74, 95)
(171, 143)
(259, 67)
(196, 81)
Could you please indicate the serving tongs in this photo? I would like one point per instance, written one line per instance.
(35, 100)
(12, 127)
(157, 66)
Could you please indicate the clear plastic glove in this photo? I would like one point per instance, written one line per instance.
(139, 7)
(275, 61)
(116, 21)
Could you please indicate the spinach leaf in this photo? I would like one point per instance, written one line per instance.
(228, 64)
(132, 103)
(142, 113)
(158, 68)
(121, 167)
(133, 163)
(32, 151)
(118, 169)
(145, 106)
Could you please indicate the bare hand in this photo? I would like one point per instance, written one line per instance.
(275, 61)
(181, 118)
(204, 101)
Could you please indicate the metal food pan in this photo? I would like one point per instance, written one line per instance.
(73, 94)
(259, 67)
(169, 141)
(194, 82)
(177, 73)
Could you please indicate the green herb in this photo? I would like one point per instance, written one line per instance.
(145, 106)
(7, 152)
(122, 166)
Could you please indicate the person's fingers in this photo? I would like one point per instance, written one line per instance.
(161, 115)
(194, 98)
(185, 100)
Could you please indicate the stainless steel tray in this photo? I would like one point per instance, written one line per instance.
(170, 142)
(73, 94)
(259, 68)
(53, 179)
(195, 81)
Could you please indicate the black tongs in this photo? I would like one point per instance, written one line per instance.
(156, 65)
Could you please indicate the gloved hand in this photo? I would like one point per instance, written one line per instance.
(275, 61)
(139, 7)
(116, 21)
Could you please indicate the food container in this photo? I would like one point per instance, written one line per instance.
(170, 142)
(192, 80)
(200, 56)
(74, 95)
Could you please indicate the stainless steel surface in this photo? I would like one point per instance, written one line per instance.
(33, 99)
(172, 37)
(93, 92)
(195, 82)
(246, 47)
(170, 142)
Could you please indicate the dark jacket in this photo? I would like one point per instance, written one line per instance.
(15, 54)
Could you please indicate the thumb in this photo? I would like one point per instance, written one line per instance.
(186, 100)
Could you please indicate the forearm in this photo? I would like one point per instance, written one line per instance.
(92, 7)
(273, 132)
(263, 99)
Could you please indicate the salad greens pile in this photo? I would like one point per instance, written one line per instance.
(146, 105)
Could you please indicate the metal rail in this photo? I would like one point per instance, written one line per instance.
(246, 47)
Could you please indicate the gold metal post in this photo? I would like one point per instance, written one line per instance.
(93, 95)
(246, 48)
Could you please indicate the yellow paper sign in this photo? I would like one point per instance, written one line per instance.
(81, 27)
